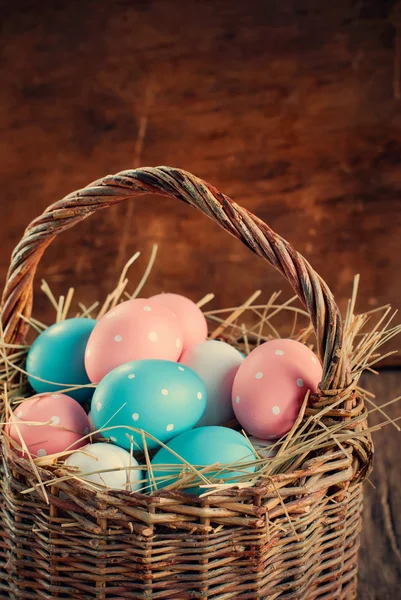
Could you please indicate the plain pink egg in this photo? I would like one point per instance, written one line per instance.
(134, 330)
(270, 385)
(189, 315)
(66, 423)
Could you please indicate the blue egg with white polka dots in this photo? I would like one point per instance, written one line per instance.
(160, 397)
(229, 450)
(57, 356)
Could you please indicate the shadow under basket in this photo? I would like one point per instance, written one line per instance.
(292, 536)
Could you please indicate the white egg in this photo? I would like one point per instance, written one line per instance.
(111, 461)
(216, 363)
(134, 476)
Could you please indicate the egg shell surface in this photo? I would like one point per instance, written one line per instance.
(161, 397)
(271, 384)
(134, 330)
(67, 424)
(58, 356)
(201, 447)
(216, 363)
(103, 457)
(190, 317)
(135, 477)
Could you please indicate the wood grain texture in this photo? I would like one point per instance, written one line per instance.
(380, 554)
(290, 108)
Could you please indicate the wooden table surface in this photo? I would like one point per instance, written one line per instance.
(380, 555)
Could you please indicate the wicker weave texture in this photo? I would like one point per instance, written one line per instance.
(294, 536)
(47, 552)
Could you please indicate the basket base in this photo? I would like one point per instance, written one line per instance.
(48, 553)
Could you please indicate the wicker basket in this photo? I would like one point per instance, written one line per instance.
(84, 544)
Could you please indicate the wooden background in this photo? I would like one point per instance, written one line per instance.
(292, 108)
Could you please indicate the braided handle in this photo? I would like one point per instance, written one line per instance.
(256, 235)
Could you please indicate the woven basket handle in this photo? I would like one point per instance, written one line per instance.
(256, 235)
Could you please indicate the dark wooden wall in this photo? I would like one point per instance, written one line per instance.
(292, 108)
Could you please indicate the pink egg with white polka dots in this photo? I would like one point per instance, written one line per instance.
(189, 315)
(49, 424)
(134, 330)
(270, 386)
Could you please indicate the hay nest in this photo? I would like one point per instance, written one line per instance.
(322, 429)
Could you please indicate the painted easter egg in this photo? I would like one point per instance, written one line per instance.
(57, 356)
(160, 397)
(57, 423)
(95, 461)
(216, 363)
(201, 447)
(134, 330)
(135, 477)
(190, 317)
(271, 384)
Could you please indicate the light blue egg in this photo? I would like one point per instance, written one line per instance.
(202, 447)
(58, 355)
(159, 396)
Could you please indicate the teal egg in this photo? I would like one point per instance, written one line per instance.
(202, 447)
(57, 355)
(160, 397)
